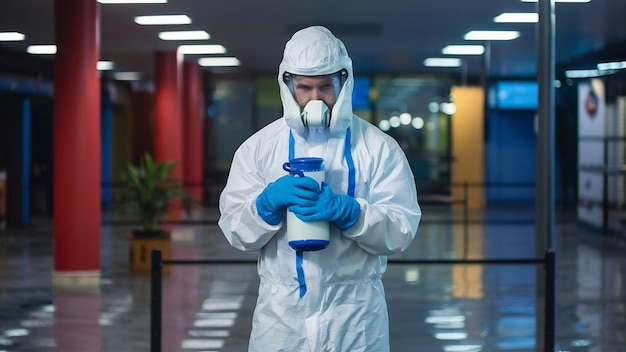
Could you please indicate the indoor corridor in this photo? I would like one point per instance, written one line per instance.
(432, 307)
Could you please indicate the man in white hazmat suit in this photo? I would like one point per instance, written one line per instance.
(330, 299)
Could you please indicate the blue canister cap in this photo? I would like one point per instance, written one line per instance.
(309, 245)
(307, 164)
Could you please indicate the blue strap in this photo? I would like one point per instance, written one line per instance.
(292, 143)
(300, 271)
(299, 254)
(351, 186)
(347, 153)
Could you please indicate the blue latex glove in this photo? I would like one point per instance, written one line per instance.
(343, 211)
(284, 192)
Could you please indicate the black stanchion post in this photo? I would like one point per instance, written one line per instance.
(155, 301)
(465, 219)
(550, 300)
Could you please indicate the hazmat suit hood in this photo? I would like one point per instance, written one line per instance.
(315, 51)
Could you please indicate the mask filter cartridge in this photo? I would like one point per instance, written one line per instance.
(316, 114)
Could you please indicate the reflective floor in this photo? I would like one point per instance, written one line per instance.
(432, 307)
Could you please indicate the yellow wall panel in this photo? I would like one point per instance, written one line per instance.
(468, 146)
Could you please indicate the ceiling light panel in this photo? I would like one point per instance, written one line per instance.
(218, 61)
(463, 50)
(11, 36)
(132, 1)
(184, 35)
(162, 19)
(42, 49)
(127, 76)
(580, 1)
(105, 65)
(509, 17)
(442, 62)
(201, 49)
(491, 35)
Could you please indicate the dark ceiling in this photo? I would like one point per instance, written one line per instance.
(392, 36)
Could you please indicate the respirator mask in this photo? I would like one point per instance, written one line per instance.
(316, 114)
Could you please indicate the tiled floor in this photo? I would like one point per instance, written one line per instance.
(432, 307)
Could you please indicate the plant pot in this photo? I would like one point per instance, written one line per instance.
(141, 246)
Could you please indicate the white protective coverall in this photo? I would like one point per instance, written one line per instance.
(344, 308)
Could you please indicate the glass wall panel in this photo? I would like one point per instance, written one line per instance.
(416, 112)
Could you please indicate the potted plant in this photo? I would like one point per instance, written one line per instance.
(151, 194)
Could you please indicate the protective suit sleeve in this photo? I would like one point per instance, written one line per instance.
(239, 217)
(390, 215)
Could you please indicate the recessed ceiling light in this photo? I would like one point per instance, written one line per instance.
(201, 49)
(615, 65)
(509, 17)
(184, 35)
(42, 49)
(560, 0)
(587, 73)
(105, 65)
(11, 36)
(127, 76)
(463, 50)
(163, 19)
(491, 35)
(442, 62)
(132, 1)
(218, 61)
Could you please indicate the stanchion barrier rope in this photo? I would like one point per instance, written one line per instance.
(548, 261)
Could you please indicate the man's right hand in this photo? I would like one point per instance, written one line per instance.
(284, 192)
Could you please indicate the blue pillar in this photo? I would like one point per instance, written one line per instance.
(107, 136)
(26, 132)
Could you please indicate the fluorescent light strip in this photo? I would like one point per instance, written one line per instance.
(132, 1)
(587, 73)
(491, 35)
(463, 50)
(105, 65)
(442, 62)
(184, 35)
(201, 49)
(509, 17)
(163, 19)
(127, 76)
(11, 36)
(218, 61)
(618, 65)
(578, 1)
(42, 49)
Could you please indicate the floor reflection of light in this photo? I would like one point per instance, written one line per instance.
(214, 323)
(445, 319)
(451, 335)
(411, 276)
(459, 325)
(36, 323)
(15, 332)
(463, 348)
(222, 303)
(202, 344)
(5, 342)
(580, 343)
(209, 333)
(216, 315)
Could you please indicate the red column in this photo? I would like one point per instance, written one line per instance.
(168, 125)
(77, 159)
(193, 154)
